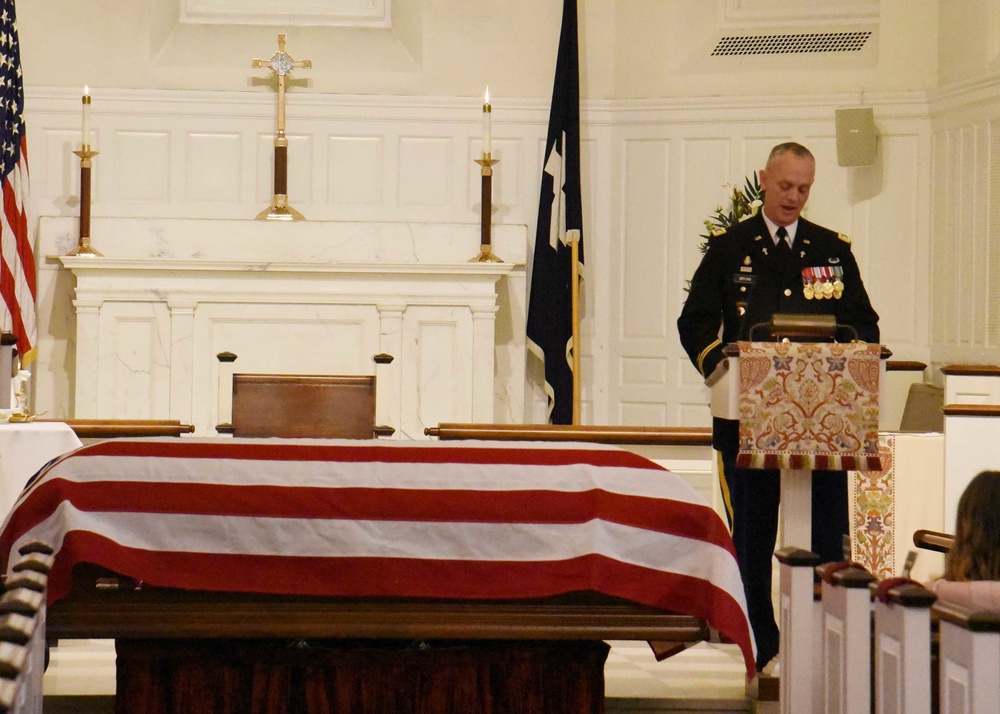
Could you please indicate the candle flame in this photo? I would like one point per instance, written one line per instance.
(86, 89)
(486, 100)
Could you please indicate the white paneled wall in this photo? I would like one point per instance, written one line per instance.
(965, 247)
(652, 172)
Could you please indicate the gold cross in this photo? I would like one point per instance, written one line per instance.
(281, 63)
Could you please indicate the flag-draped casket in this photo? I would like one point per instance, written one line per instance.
(438, 520)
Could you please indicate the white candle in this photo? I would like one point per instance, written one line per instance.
(85, 133)
(487, 116)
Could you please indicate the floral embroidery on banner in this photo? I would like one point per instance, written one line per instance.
(874, 514)
(809, 406)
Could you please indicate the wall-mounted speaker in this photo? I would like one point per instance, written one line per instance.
(856, 136)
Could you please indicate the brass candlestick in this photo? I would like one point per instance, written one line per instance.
(486, 254)
(84, 247)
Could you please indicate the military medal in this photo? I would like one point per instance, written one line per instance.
(838, 284)
(808, 279)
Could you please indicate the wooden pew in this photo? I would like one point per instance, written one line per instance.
(845, 638)
(799, 613)
(22, 631)
(902, 648)
(900, 630)
(969, 666)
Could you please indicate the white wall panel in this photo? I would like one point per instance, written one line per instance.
(945, 225)
(644, 371)
(644, 260)
(134, 359)
(137, 350)
(432, 338)
(305, 182)
(992, 312)
(888, 239)
(969, 177)
(214, 167)
(706, 178)
(61, 177)
(141, 166)
(965, 270)
(355, 167)
(707, 181)
(646, 413)
(425, 172)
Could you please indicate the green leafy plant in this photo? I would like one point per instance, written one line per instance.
(744, 202)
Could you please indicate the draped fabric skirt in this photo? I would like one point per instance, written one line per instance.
(363, 677)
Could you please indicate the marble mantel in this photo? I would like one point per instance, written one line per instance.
(168, 295)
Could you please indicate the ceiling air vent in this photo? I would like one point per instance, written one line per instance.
(813, 42)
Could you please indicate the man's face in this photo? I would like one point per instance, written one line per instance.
(786, 181)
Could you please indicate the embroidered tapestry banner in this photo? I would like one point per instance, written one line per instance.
(809, 406)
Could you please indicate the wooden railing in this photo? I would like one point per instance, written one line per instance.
(645, 435)
(116, 428)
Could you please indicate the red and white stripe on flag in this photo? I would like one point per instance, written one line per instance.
(17, 259)
(466, 520)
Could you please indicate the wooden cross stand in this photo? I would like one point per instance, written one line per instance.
(281, 64)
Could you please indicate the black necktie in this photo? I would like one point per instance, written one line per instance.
(782, 244)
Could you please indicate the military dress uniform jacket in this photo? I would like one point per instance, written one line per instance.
(744, 279)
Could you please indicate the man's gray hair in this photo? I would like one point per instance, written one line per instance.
(790, 147)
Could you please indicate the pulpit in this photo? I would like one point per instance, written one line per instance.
(802, 407)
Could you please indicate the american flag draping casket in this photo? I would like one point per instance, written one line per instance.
(466, 520)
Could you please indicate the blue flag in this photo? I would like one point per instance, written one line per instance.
(550, 318)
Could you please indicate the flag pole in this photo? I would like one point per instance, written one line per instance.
(573, 238)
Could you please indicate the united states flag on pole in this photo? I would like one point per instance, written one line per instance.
(550, 319)
(17, 267)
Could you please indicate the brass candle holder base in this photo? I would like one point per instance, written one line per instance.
(280, 211)
(84, 248)
(486, 255)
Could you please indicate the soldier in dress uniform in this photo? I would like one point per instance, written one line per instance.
(773, 262)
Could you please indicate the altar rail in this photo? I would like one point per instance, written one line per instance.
(623, 435)
(685, 451)
(92, 429)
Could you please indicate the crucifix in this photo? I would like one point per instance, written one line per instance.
(281, 64)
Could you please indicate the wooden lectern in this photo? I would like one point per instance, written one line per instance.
(760, 369)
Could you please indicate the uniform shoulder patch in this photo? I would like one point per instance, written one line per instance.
(844, 237)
